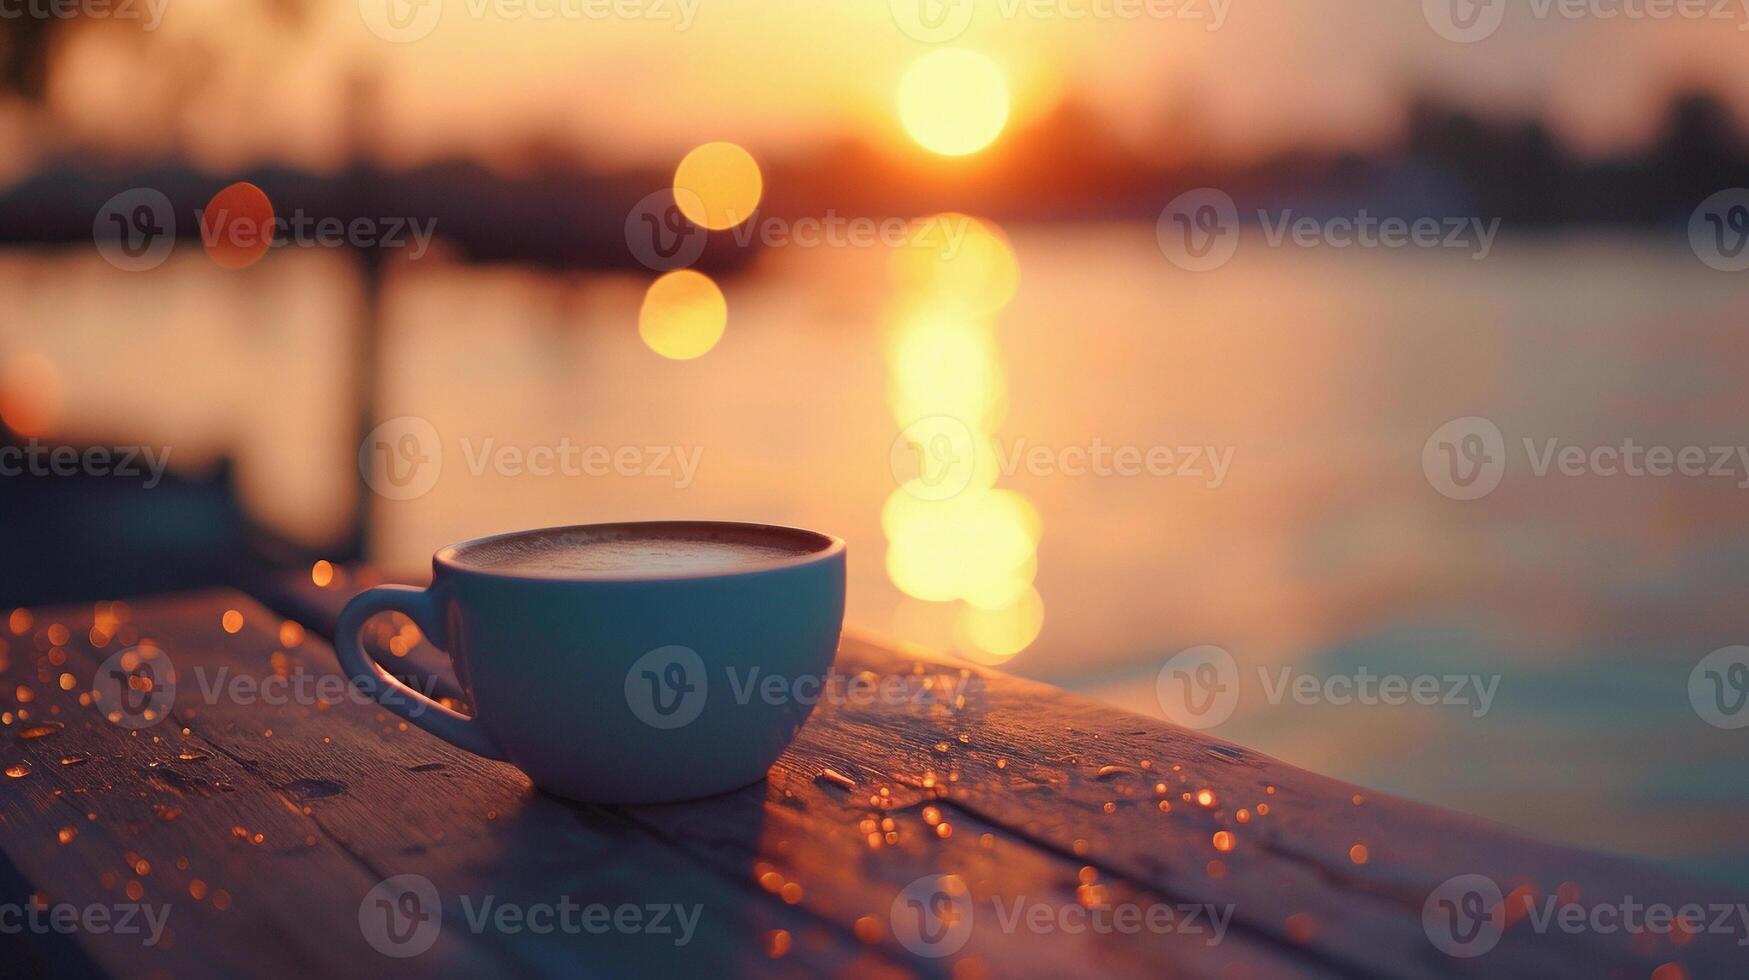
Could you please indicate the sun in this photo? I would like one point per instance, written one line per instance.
(953, 102)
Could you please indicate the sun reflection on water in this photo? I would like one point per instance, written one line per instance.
(952, 534)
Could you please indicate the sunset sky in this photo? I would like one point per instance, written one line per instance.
(783, 74)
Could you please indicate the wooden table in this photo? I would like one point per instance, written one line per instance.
(1075, 839)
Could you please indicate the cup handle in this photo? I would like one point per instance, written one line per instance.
(370, 677)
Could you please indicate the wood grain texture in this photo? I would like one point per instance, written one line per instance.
(1051, 804)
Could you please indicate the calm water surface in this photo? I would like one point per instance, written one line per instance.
(1322, 548)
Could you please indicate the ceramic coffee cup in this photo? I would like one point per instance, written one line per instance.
(619, 681)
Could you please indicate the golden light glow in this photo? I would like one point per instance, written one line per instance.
(944, 365)
(683, 315)
(953, 101)
(979, 543)
(994, 635)
(290, 634)
(955, 260)
(717, 185)
(952, 535)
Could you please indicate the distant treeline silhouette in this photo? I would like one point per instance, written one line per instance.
(556, 211)
(1445, 161)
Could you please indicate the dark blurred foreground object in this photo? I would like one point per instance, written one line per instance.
(288, 838)
(73, 535)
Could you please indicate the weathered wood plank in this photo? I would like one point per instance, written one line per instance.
(393, 801)
(849, 881)
(841, 892)
(1050, 773)
(1020, 773)
(98, 816)
(1050, 764)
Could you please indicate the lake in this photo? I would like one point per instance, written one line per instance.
(1232, 458)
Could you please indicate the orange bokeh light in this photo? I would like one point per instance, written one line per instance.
(30, 394)
(237, 226)
(718, 185)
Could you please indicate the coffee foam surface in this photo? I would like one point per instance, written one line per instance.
(631, 550)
